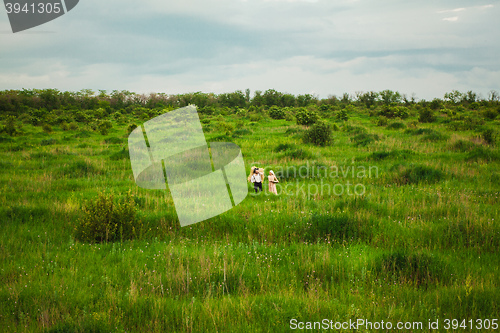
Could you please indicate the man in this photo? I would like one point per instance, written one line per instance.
(256, 180)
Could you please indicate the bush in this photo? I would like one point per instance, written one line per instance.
(320, 134)
(48, 142)
(483, 153)
(283, 147)
(10, 126)
(122, 154)
(342, 115)
(306, 117)
(488, 136)
(107, 220)
(396, 125)
(105, 126)
(131, 127)
(276, 112)
(434, 136)
(225, 127)
(420, 174)
(47, 128)
(426, 115)
(298, 154)
(395, 112)
(240, 132)
(113, 140)
(463, 146)
(490, 114)
(73, 126)
(382, 121)
(365, 139)
(394, 154)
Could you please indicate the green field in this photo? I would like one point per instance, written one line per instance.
(413, 238)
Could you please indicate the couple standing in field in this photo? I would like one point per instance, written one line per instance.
(257, 177)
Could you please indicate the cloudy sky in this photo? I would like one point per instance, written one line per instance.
(321, 47)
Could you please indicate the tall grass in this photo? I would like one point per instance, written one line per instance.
(420, 243)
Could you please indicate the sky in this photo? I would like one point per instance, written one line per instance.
(321, 47)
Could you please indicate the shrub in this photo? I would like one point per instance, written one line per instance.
(131, 127)
(104, 127)
(426, 115)
(342, 115)
(463, 146)
(10, 126)
(489, 136)
(490, 114)
(482, 153)
(113, 140)
(276, 112)
(122, 154)
(81, 117)
(396, 125)
(394, 154)
(73, 126)
(306, 117)
(434, 136)
(222, 138)
(320, 134)
(382, 121)
(48, 142)
(107, 220)
(420, 131)
(395, 111)
(255, 117)
(419, 174)
(298, 154)
(365, 139)
(225, 127)
(288, 116)
(283, 147)
(47, 128)
(353, 129)
(240, 132)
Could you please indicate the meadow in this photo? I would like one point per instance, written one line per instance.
(413, 238)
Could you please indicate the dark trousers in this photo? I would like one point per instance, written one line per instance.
(257, 186)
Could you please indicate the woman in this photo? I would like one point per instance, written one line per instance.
(272, 182)
(256, 179)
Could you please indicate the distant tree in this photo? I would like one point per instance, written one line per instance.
(247, 95)
(368, 99)
(493, 96)
(305, 100)
(454, 96)
(288, 100)
(469, 97)
(388, 97)
(258, 99)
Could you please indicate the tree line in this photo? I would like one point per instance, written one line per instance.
(13, 102)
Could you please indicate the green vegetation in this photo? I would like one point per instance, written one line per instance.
(391, 216)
